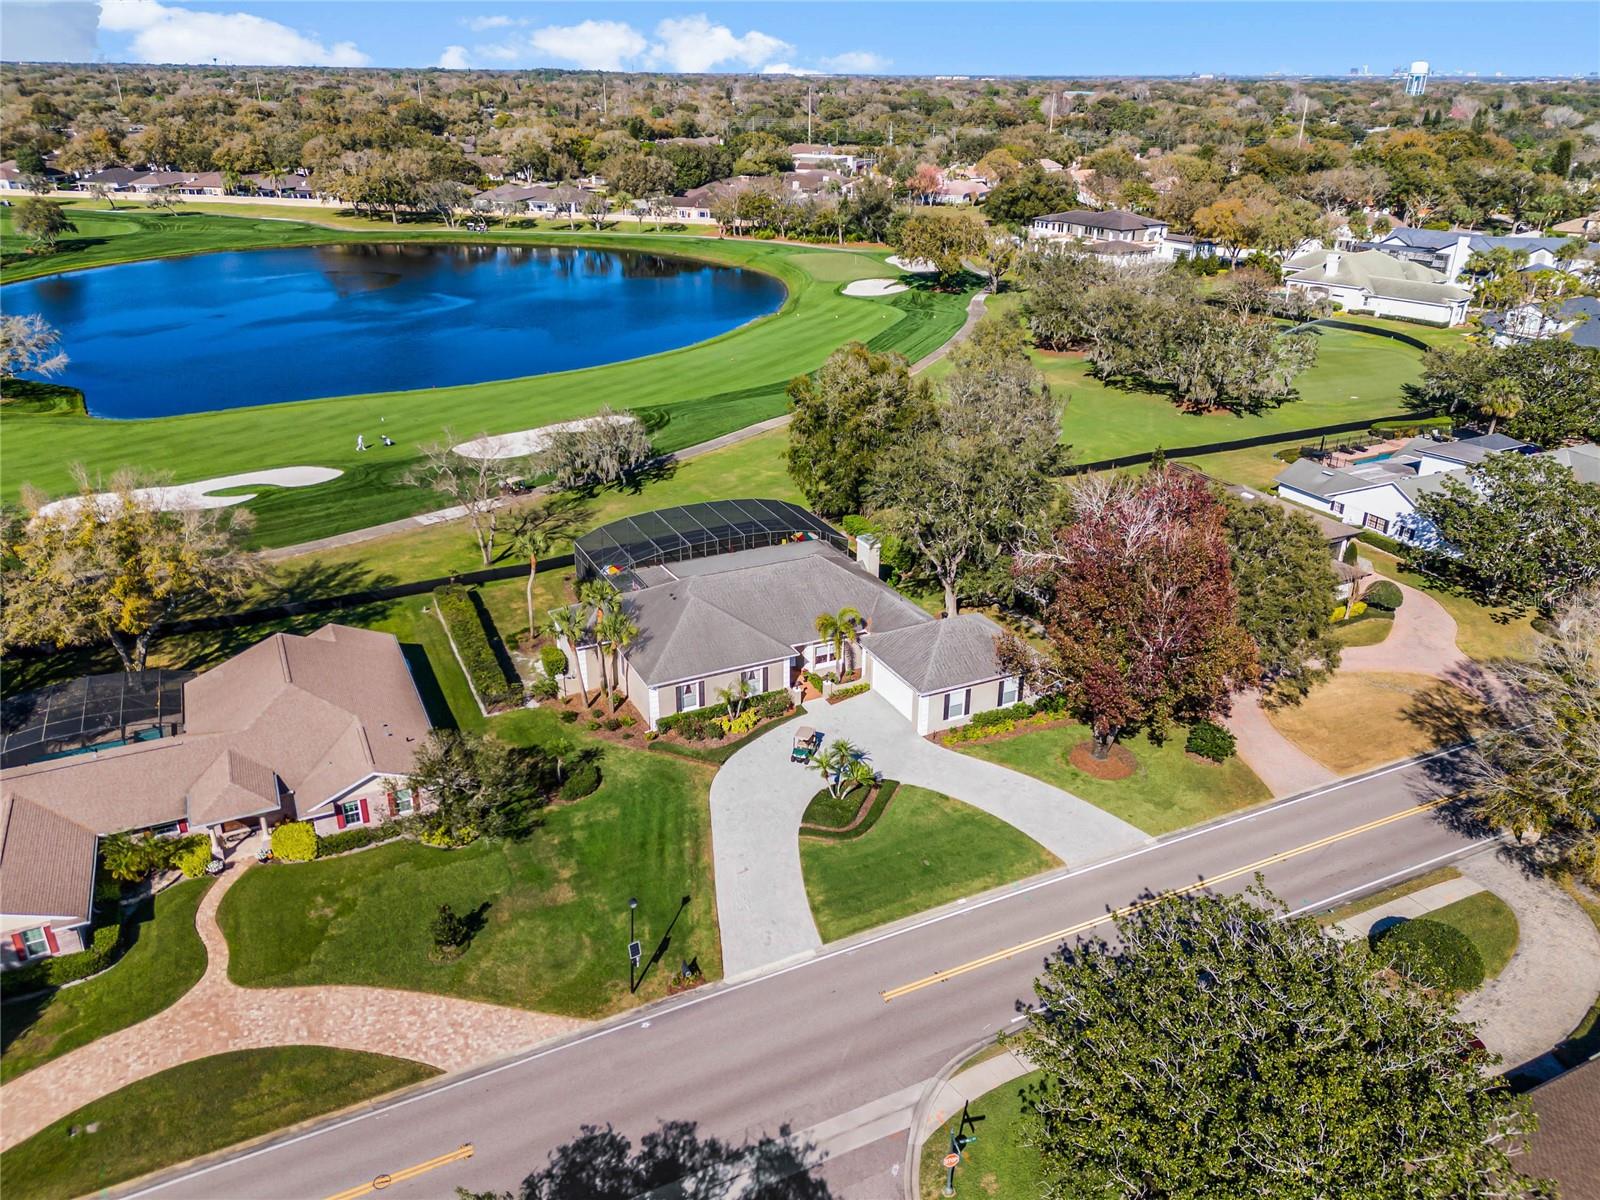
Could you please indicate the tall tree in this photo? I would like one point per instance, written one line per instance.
(1535, 768)
(42, 222)
(476, 782)
(1140, 612)
(605, 449)
(1224, 1048)
(945, 237)
(844, 415)
(1287, 587)
(112, 566)
(838, 628)
(1520, 528)
(965, 483)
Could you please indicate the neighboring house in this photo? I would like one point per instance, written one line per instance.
(962, 191)
(322, 728)
(13, 179)
(1566, 1146)
(282, 185)
(1337, 533)
(1119, 236)
(808, 157)
(537, 198)
(1577, 317)
(1369, 281)
(1188, 245)
(731, 590)
(1447, 250)
(1050, 166)
(1586, 227)
(1382, 494)
(810, 183)
(118, 179)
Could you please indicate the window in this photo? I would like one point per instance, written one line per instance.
(1336, 507)
(35, 942)
(1010, 691)
(404, 805)
(1376, 522)
(824, 654)
(350, 810)
(756, 677)
(688, 696)
(955, 704)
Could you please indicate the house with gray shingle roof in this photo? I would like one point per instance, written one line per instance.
(731, 590)
(1447, 250)
(1369, 281)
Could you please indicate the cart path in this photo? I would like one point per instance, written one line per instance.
(217, 1016)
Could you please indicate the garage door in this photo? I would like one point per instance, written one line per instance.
(892, 688)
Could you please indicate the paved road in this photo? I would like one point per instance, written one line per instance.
(758, 797)
(808, 1042)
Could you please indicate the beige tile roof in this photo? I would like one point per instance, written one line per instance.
(310, 715)
(46, 861)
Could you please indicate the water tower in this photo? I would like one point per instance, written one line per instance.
(1417, 79)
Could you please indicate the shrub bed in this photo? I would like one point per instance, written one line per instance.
(1431, 953)
(363, 835)
(581, 781)
(106, 944)
(462, 620)
(998, 721)
(1413, 428)
(720, 753)
(294, 841)
(824, 809)
(701, 724)
(844, 693)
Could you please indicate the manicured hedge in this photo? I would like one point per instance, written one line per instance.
(583, 780)
(294, 841)
(465, 625)
(1385, 595)
(700, 724)
(886, 790)
(855, 689)
(106, 944)
(723, 752)
(1210, 740)
(1382, 543)
(358, 836)
(1431, 953)
(1413, 428)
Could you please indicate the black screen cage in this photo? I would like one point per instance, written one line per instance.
(93, 710)
(618, 551)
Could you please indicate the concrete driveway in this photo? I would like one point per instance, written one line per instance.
(758, 798)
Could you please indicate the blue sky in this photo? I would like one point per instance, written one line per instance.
(971, 37)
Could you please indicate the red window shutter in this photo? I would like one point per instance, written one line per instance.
(365, 815)
(50, 940)
(183, 827)
(338, 816)
(20, 946)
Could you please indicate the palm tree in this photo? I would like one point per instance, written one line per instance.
(615, 632)
(838, 765)
(531, 543)
(598, 595)
(735, 694)
(1501, 398)
(839, 628)
(566, 624)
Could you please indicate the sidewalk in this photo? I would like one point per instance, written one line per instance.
(217, 1016)
(1417, 904)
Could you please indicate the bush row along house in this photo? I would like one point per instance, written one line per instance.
(322, 728)
(1381, 494)
(730, 591)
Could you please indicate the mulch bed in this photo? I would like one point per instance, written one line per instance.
(1201, 759)
(627, 735)
(1031, 725)
(1119, 764)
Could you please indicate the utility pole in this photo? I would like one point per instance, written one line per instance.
(810, 103)
(1305, 105)
(1050, 111)
(602, 96)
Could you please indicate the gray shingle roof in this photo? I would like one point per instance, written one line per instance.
(1377, 273)
(1121, 221)
(940, 655)
(1442, 239)
(735, 610)
(1310, 476)
(48, 861)
(1466, 451)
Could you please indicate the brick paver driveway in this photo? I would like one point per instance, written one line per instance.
(217, 1015)
(758, 798)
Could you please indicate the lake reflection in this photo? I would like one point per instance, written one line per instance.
(225, 330)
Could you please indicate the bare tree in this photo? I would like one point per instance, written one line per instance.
(475, 485)
(606, 449)
(444, 197)
(167, 199)
(29, 345)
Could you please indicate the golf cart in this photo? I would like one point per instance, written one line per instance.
(807, 741)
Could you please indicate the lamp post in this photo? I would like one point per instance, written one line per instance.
(633, 943)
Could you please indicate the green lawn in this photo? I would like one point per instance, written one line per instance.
(195, 1109)
(1364, 631)
(1489, 922)
(688, 395)
(553, 905)
(165, 960)
(925, 850)
(997, 1166)
(1169, 791)
(1482, 631)
(1394, 892)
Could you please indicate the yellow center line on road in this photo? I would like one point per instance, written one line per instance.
(1060, 935)
(379, 1182)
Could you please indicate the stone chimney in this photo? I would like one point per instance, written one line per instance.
(869, 553)
(1457, 259)
(1330, 265)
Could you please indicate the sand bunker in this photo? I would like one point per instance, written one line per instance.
(915, 266)
(178, 496)
(873, 287)
(524, 441)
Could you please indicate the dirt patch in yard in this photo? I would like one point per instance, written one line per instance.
(1118, 764)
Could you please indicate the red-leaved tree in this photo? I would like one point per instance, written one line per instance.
(1140, 609)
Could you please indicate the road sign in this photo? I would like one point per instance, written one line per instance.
(952, 1160)
(635, 952)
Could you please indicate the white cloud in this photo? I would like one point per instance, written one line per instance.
(694, 44)
(783, 68)
(480, 24)
(508, 52)
(856, 62)
(454, 58)
(593, 45)
(167, 34)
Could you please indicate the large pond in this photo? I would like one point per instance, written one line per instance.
(223, 330)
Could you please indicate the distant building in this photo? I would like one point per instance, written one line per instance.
(1371, 282)
(1578, 317)
(808, 157)
(1116, 235)
(1417, 79)
(1447, 250)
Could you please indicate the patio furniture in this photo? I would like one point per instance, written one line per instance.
(806, 743)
